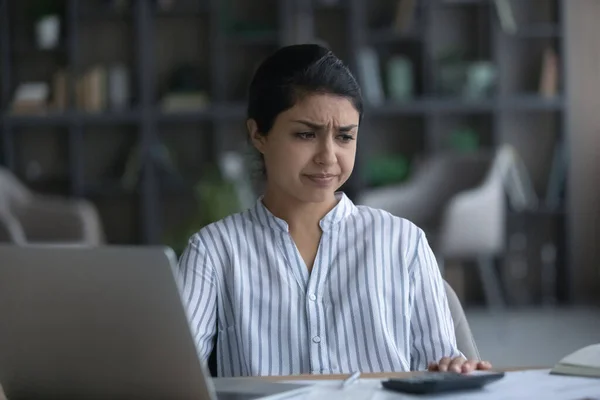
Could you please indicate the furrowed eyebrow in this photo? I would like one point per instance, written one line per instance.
(316, 126)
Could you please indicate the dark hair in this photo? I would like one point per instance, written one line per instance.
(293, 72)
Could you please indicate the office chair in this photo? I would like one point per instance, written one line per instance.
(464, 337)
(30, 217)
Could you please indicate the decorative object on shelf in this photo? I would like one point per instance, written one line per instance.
(119, 90)
(47, 16)
(481, 79)
(548, 86)
(387, 169)
(452, 67)
(461, 77)
(400, 78)
(464, 139)
(47, 30)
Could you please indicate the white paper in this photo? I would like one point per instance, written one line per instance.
(535, 384)
(587, 357)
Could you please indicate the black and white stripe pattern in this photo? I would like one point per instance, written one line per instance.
(375, 299)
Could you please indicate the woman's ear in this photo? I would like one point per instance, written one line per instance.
(258, 139)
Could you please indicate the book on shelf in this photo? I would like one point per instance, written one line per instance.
(557, 177)
(404, 16)
(506, 16)
(59, 90)
(92, 89)
(369, 72)
(31, 98)
(548, 86)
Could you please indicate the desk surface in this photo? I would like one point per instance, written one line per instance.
(374, 375)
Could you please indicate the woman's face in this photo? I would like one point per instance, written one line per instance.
(309, 153)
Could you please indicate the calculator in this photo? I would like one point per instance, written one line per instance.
(440, 382)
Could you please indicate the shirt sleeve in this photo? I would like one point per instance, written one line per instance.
(431, 325)
(198, 288)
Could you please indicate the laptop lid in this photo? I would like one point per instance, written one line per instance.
(104, 323)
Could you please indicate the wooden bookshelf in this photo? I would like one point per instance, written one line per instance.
(152, 43)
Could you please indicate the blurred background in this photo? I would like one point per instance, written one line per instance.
(122, 122)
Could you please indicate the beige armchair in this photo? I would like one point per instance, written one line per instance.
(424, 198)
(29, 217)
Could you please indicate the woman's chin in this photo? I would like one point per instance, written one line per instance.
(317, 195)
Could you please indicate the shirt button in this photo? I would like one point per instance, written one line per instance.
(312, 297)
(317, 339)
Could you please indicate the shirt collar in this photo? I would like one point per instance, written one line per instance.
(337, 214)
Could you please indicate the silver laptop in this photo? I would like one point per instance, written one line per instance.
(102, 323)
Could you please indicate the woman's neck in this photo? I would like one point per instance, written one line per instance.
(297, 214)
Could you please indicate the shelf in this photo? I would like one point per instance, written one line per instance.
(230, 110)
(389, 35)
(37, 120)
(252, 38)
(532, 103)
(110, 117)
(104, 14)
(40, 120)
(107, 189)
(463, 2)
(335, 5)
(466, 106)
(183, 11)
(215, 112)
(538, 31)
(200, 115)
(31, 50)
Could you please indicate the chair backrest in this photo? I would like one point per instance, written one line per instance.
(464, 337)
(12, 191)
(423, 198)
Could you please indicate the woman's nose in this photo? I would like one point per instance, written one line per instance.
(326, 154)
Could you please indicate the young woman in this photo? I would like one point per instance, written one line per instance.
(305, 281)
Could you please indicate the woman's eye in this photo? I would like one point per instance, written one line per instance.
(306, 135)
(346, 138)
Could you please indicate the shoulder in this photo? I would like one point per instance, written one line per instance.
(375, 217)
(217, 234)
(389, 228)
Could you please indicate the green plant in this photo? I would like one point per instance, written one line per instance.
(216, 198)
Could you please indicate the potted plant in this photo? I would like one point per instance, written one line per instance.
(216, 198)
(47, 21)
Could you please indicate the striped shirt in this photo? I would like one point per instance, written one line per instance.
(374, 301)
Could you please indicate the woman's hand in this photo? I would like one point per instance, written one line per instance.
(459, 364)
